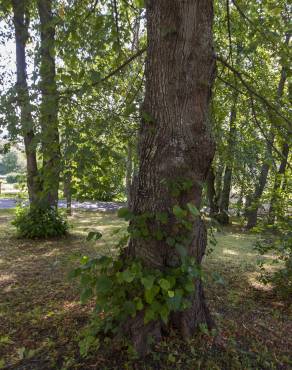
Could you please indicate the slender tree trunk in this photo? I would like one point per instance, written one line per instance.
(129, 172)
(211, 193)
(21, 24)
(49, 106)
(68, 192)
(252, 210)
(174, 143)
(227, 180)
(218, 181)
(277, 184)
(239, 202)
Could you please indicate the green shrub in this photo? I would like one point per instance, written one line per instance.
(281, 247)
(34, 223)
(15, 177)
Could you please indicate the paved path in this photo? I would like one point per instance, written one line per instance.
(94, 206)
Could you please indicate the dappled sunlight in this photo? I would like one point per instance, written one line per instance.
(69, 305)
(7, 278)
(63, 307)
(254, 282)
(52, 253)
(229, 251)
(37, 292)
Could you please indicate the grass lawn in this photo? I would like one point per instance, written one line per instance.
(41, 317)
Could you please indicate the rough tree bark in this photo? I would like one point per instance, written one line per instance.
(253, 202)
(174, 141)
(21, 24)
(223, 217)
(49, 106)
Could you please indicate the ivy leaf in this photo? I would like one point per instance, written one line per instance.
(104, 284)
(174, 303)
(139, 303)
(162, 217)
(189, 286)
(127, 276)
(193, 209)
(129, 308)
(179, 212)
(148, 281)
(75, 273)
(165, 285)
(164, 313)
(170, 293)
(149, 315)
(85, 295)
(158, 234)
(94, 235)
(151, 293)
(187, 224)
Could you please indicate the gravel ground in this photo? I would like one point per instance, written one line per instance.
(92, 206)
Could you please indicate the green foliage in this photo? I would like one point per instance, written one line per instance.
(11, 162)
(281, 246)
(124, 287)
(15, 177)
(8, 163)
(178, 185)
(34, 223)
(93, 235)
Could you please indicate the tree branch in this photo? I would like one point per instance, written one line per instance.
(244, 16)
(253, 92)
(107, 77)
(263, 132)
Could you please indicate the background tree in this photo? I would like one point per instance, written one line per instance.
(50, 145)
(21, 19)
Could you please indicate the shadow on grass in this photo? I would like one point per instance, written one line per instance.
(41, 317)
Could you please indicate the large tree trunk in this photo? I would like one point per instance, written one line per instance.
(277, 184)
(253, 205)
(49, 106)
(174, 142)
(227, 180)
(21, 24)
